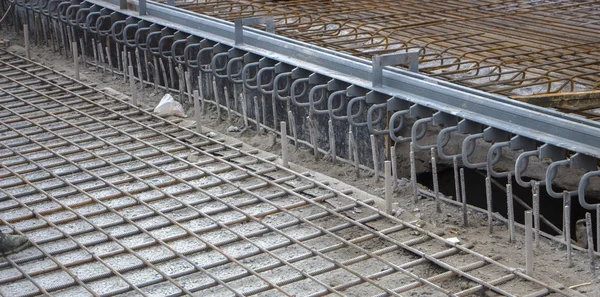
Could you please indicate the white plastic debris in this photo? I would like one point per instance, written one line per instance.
(211, 134)
(168, 106)
(453, 240)
(233, 129)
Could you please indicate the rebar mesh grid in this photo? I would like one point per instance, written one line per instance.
(113, 204)
(505, 47)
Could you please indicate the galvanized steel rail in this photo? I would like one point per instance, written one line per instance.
(112, 204)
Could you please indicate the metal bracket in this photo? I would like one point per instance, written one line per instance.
(336, 85)
(283, 67)
(395, 104)
(522, 143)
(420, 111)
(300, 73)
(374, 97)
(469, 127)
(491, 134)
(355, 91)
(240, 23)
(142, 7)
(318, 79)
(444, 119)
(581, 161)
(411, 58)
(552, 152)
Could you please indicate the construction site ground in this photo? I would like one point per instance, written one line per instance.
(550, 258)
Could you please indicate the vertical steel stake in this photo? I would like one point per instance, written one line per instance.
(100, 53)
(75, 59)
(124, 61)
(284, 142)
(26, 33)
(598, 228)
(188, 83)
(257, 115)
(566, 222)
(181, 84)
(436, 186)
(413, 174)
(374, 153)
(567, 232)
(464, 197)
(312, 130)
(292, 121)
(590, 242)
(511, 213)
(109, 57)
(456, 178)
(536, 212)
(528, 243)
(394, 160)
(353, 150)
(488, 199)
(134, 93)
(197, 112)
(95, 53)
(388, 186)
(226, 93)
(332, 142)
(214, 83)
(200, 94)
(263, 105)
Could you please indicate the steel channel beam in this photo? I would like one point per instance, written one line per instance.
(541, 124)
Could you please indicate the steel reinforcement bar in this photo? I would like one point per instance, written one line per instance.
(113, 203)
(329, 99)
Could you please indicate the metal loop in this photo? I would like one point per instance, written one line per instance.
(520, 169)
(125, 34)
(331, 110)
(446, 133)
(230, 75)
(583, 183)
(62, 10)
(370, 123)
(416, 136)
(351, 117)
(276, 91)
(311, 101)
(293, 93)
(99, 22)
(492, 159)
(113, 32)
(551, 173)
(80, 18)
(213, 65)
(259, 81)
(165, 54)
(89, 19)
(179, 59)
(47, 9)
(245, 78)
(71, 15)
(395, 129)
(153, 36)
(468, 147)
(140, 41)
(207, 51)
